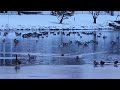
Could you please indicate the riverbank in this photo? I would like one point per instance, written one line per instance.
(42, 22)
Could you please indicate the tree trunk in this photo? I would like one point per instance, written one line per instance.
(19, 13)
(61, 19)
(112, 13)
(95, 19)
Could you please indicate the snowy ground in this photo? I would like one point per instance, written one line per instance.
(87, 71)
(78, 21)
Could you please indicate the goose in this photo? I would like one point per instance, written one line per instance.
(95, 62)
(104, 37)
(77, 57)
(16, 41)
(102, 62)
(30, 57)
(115, 62)
(112, 42)
(3, 40)
(62, 54)
(117, 37)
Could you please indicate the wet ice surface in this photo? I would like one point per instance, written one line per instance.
(47, 50)
(48, 61)
(86, 71)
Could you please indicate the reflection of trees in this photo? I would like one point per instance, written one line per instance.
(117, 39)
(94, 46)
(61, 48)
(2, 54)
(11, 50)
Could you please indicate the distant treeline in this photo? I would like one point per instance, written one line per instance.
(112, 13)
(23, 12)
(30, 12)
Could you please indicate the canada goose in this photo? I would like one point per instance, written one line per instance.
(77, 57)
(30, 57)
(62, 54)
(3, 40)
(80, 36)
(95, 62)
(58, 33)
(85, 44)
(117, 37)
(16, 41)
(17, 34)
(5, 33)
(102, 62)
(112, 42)
(100, 34)
(104, 37)
(115, 62)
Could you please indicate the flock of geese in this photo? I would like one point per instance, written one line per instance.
(46, 34)
(43, 34)
(101, 63)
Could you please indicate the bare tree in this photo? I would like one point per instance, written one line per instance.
(95, 14)
(112, 13)
(62, 15)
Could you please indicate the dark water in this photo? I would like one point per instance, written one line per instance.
(47, 49)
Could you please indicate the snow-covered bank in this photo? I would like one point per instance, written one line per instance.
(87, 71)
(78, 21)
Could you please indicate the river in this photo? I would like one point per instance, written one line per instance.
(48, 49)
